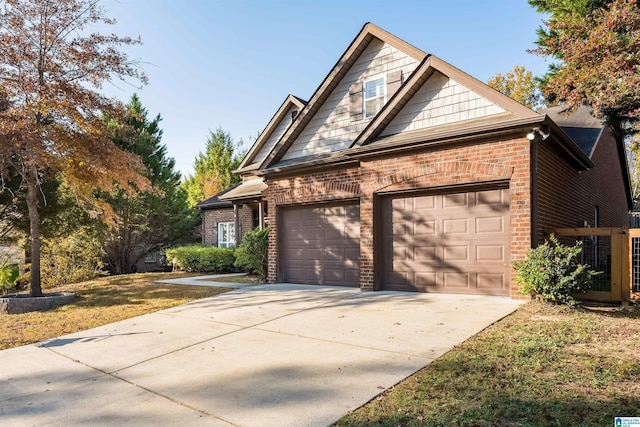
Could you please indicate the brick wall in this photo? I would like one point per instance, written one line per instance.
(567, 197)
(507, 159)
(211, 218)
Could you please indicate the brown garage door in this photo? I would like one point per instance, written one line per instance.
(454, 243)
(320, 245)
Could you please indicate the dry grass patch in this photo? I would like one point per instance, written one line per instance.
(101, 301)
(542, 366)
(249, 279)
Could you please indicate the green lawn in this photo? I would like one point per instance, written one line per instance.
(542, 366)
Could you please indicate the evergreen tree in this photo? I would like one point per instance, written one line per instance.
(214, 168)
(152, 219)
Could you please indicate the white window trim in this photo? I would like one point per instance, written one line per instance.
(151, 257)
(364, 94)
(229, 243)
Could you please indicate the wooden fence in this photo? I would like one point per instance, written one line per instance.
(613, 251)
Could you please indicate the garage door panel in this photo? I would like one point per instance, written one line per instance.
(424, 202)
(490, 253)
(323, 247)
(467, 251)
(455, 226)
(454, 279)
(495, 281)
(455, 253)
(425, 280)
(457, 200)
(490, 197)
(490, 224)
(425, 253)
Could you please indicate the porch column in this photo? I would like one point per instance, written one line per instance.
(236, 220)
(260, 214)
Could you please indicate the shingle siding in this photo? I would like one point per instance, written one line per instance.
(332, 128)
(275, 136)
(440, 101)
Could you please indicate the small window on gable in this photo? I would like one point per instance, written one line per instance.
(294, 114)
(374, 96)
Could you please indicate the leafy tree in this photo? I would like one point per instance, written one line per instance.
(599, 49)
(51, 113)
(520, 85)
(214, 168)
(153, 219)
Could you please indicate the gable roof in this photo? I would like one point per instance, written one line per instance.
(582, 126)
(214, 202)
(422, 73)
(339, 70)
(247, 162)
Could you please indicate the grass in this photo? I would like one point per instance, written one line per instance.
(98, 302)
(542, 366)
(247, 278)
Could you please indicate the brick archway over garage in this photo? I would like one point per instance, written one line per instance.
(445, 173)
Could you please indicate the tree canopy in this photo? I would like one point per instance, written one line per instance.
(520, 85)
(599, 49)
(214, 168)
(153, 219)
(51, 113)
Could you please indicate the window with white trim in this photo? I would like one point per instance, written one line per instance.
(226, 235)
(374, 96)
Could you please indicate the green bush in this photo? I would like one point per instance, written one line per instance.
(252, 253)
(551, 272)
(198, 258)
(8, 275)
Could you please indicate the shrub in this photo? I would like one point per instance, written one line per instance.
(71, 259)
(551, 272)
(252, 253)
(8, 275)
(198, 258)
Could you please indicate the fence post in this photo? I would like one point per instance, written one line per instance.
(617, 243)
(626, 265)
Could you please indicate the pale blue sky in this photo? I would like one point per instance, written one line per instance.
(231, 63)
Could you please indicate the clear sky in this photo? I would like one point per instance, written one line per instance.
(231, 63)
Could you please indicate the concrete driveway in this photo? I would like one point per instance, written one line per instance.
(272, 355)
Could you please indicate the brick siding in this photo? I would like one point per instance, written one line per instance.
(567, 197)
(507, 159)
(211, 218)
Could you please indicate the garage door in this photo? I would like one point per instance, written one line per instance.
(454, 243)
(320, 245)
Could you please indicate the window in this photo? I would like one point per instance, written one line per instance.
(226, 235)
(151, 257)
(374, 97)
(294, 114)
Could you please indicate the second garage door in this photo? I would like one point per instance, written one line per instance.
(320, 244)
(453, 242)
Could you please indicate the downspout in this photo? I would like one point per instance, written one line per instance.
(534, 193)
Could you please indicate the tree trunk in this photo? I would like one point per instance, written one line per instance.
(35, 290)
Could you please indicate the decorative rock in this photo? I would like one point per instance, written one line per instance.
(16, 304)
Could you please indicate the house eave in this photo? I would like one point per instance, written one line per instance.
(309, 166)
